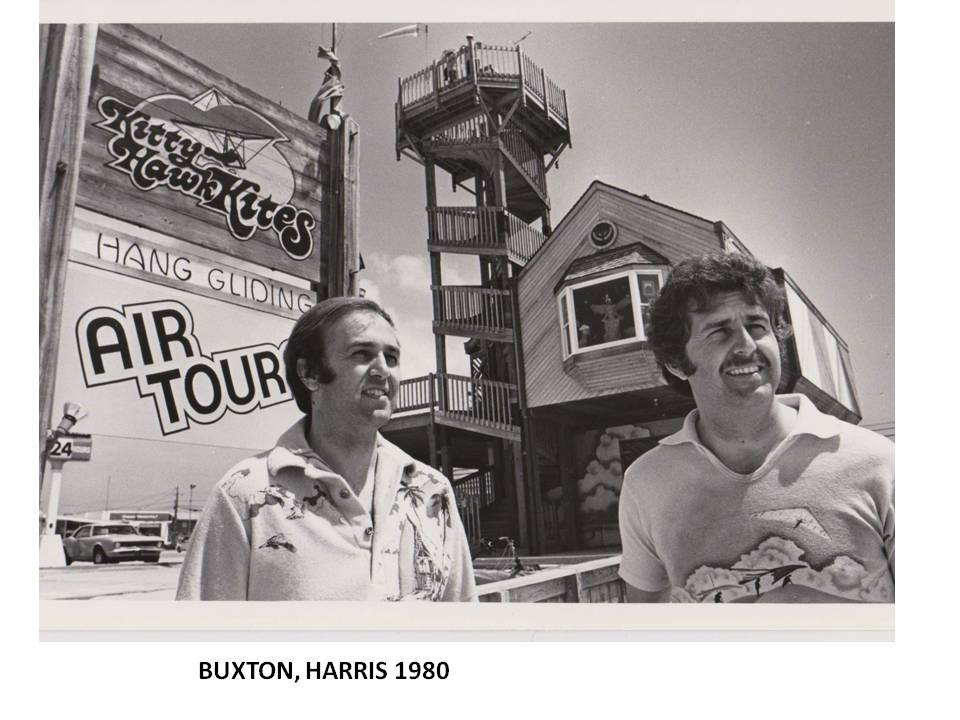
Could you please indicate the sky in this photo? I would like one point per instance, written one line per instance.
(783, 131)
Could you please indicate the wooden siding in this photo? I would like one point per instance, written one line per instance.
(616, 371)
(131, 66)
(671, 233)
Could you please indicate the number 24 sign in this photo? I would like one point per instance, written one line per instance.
(71, 446)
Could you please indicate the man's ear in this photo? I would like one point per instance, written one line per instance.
(303, 372)
(674, 370)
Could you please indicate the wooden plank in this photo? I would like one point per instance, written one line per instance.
(133, 66)
(351, 207)
(540, 592)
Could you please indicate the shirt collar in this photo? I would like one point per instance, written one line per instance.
(810, 421)
(293, 450)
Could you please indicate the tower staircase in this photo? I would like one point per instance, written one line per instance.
(493, 120)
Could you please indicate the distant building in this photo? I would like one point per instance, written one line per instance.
(564, 392)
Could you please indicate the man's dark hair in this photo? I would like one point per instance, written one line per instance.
(691, 287)
(308, 341)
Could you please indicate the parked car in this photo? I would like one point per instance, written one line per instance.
(110, 542)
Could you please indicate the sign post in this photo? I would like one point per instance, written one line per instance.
(63, 448)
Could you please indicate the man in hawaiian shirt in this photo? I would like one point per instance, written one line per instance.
(333, 511)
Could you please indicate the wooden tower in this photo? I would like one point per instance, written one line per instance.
(496, 123)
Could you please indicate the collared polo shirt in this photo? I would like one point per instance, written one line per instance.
(283, 526)
(815, 522)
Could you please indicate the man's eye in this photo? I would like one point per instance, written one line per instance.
(393, 360)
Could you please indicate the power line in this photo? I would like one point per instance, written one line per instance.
(179, 442)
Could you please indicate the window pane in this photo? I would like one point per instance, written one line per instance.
(603, 312)
(649, 286)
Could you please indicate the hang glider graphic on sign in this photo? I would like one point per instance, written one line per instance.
(153, 346)
(221, 154)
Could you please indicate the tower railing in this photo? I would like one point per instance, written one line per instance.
(416, 394)
(473, 310)
(488, 229)
(495, 64)
(523, 241)
(474, 402)
(485, 403)
(476, 128)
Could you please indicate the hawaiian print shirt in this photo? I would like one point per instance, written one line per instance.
(283, 526)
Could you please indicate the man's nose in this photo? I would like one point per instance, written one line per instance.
(744, 344)
(379, 366)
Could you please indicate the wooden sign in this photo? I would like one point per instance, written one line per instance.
(178, 148)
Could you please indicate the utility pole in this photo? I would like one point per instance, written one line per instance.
(192, 486)
(106, 501)
(176, 507)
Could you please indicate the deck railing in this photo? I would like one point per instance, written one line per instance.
(416, 394)
(556, 99)
(495, 63)
(595, 581)
(473, 309)
(469, 508)
(465, 228)
(486, 403)
(481, 402)
(453, 68)
(478, 485)
(532, 76)
(417, 87)
(477, 229)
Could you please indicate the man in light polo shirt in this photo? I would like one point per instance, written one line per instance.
(333, 511)
(758, 496)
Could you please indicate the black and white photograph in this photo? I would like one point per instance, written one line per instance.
(526, 312)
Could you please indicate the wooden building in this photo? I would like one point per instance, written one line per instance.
(564, 391)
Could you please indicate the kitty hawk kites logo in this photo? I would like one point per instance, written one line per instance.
(221, 154)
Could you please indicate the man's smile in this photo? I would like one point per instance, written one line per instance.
(743, 370)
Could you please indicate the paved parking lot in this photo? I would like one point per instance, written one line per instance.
(123, 581)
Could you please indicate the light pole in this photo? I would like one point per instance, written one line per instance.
(61, 447)
(192, 486)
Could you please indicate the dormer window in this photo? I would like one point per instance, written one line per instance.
(604, 300)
